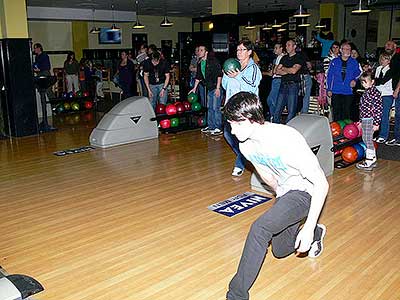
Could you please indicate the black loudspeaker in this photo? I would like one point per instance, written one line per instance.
(17, 92)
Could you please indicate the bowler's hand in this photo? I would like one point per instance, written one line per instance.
(150, 94)
(233, 74)
(304, 239)
(353, 83)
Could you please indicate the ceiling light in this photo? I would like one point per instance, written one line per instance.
(137, 24)
(166, 23)
(301, 12)
(249, 26)
(266, 27)
(281, 29)
(94, 30)
(319, 25)
(304, 23)
(360, 10)
(211, 25)
(113, 26)
(276, 25)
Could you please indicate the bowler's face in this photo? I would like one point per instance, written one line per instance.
(242, 129)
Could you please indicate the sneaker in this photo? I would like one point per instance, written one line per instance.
(237, 172)
(366, 165)
(380, 140)
(393, 142)
(318, 246)
(216, 131)
(205, 129)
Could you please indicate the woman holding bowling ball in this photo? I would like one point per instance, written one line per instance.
(245, 77)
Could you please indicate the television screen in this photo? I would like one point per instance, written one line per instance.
(107, 36)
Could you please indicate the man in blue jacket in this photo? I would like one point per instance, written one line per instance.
(342, 75)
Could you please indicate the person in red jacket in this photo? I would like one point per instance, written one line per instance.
(370, 115)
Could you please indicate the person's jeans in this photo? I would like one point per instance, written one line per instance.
(72, 82)
(126, 88)
(202, 95)
(273, 95)
(307, 93)
(233, 142)
(288, 95)
(278, 225)
(387, 105)
(214, 116)
(156, 89)
(397, 118)
(341, 105)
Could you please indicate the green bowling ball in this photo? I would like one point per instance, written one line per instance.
(174, 122)
(75, 106)
(196, 106)
(231, 64)
(342, 123)
(348, 121)
(192, 97)
(60, 108)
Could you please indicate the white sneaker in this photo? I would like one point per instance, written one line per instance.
(216, 131)
(317, 247)
(380, 140)
(237, 172)
(205, 129)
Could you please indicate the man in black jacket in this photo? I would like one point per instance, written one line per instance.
(209, 73)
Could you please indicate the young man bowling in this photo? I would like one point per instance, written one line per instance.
(286, 163)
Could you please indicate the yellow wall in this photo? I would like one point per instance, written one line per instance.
(330, 10)
(54, 36)
(13, 19)
(224, 7)
(79, 37)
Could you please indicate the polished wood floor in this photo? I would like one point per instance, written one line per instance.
(131, 222)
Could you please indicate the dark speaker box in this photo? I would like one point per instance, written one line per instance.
(17, 92)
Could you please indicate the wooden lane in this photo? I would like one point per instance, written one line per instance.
(132, 222)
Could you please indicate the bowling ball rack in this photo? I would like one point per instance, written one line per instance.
(341, 142)
(187, 120)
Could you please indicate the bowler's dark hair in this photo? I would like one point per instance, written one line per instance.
(38, 45)
(367, 74)
(155, 55)
(244, 105)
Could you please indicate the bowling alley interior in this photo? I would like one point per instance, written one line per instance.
(121, 174)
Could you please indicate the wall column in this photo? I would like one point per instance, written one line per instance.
(13, 19)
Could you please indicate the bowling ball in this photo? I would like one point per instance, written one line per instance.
(231, 64)
(170, 109)
(358, 124)
(341, 123)
(335, 129)
(88, 116)
(201, 122)
(174, 122)
(180, 109)
(350, 131)
(67, 106)
(79, 94)
(360, 151)
(347, 121)
(75, 106)
(88, 104)
(166, 123)
(196, 106)
(349, 154)
(187, 105)
(160, 109)
(59, 108)
(192, 97)
(362, 144)
(64, 95)
(70, 95)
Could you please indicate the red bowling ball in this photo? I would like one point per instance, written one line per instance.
(336, 129)
(349, 154)
(170, 109)
(160, 109)
(350, 131)
(180, 108)
(187, 105)
(166, 123)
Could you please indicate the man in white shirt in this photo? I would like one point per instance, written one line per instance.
(285, 162)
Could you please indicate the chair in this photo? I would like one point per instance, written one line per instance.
(59, 87)
(106, 80)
